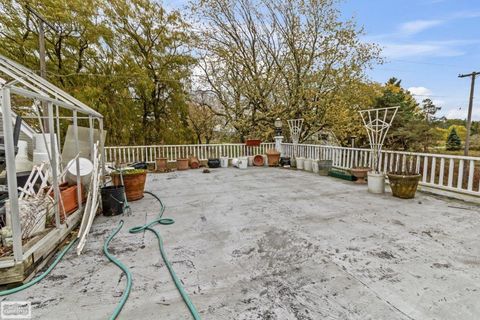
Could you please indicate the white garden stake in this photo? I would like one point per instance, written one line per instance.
(295, 126)
(377, 122)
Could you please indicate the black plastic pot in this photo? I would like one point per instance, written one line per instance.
(213, 163)
(285, 161)
(113, 200)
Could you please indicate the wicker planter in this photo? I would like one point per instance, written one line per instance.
(182, 164)
(360, 173)
(404, 185)
(134, 182)
(273, 157)
(161, 164)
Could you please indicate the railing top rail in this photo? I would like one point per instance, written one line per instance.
(186, 145)
(423, 154)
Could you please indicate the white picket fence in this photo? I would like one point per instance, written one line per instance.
(447, 172)
(130, 154)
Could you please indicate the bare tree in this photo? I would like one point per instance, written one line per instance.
(267, 59)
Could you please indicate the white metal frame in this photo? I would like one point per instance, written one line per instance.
(377, 122)
(19, 80)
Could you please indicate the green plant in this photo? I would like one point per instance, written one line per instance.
(130, 172)
(453, 141)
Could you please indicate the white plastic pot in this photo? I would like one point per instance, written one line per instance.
(242, 163)
(315, 168)
(300, 162)
(376, 182)
(307, 164)
(250, 160)
(265, 160)
(22, 163)
(86, 168)
(235, 162)
(224, 162)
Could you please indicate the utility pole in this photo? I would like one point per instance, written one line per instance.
(41, 49)
(470, 107)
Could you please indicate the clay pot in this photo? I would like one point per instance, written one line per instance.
(193, 162)
(161, 164)
(404, 185)
(273, 157)
(258, 160)
(134, 183)
(182, 164)
(69, 199)
(253, 142)
(360, 173)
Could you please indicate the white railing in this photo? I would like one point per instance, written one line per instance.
(130, 154)
(447, 172)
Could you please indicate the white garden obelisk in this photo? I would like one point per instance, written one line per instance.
(377, 122)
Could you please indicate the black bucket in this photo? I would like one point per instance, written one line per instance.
(113, 200)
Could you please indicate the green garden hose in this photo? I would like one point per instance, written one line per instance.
(40, 277)
(119, 264)
(167, 221)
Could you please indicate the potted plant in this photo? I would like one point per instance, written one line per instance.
(133, 181)
(404, 183)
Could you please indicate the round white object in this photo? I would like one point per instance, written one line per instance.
(235, 162)
(86, 169)
(224, 162)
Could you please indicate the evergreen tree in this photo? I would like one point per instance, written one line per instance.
(453, 141)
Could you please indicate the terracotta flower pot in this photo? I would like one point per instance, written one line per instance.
(161, 164)
(360, 173)
(404, 185)
(193, 162)
(258, 160)
(134, 183)
(253, 142)
(182, 164)
(273, 157)
(69, 200)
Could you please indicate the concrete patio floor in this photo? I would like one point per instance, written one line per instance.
(276, 244)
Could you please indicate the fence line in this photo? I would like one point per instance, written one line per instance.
(447, 172)
(130, 154)
(442, 171)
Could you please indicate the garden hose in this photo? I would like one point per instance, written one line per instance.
(40, 277)
(125, 270)
(167, 221)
